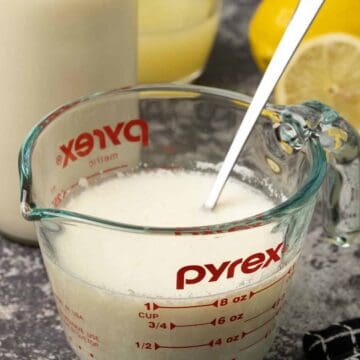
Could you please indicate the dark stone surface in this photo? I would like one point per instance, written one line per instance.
(326, 285)
(230, 65)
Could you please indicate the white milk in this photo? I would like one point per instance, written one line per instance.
(133, 296)
(53, 52)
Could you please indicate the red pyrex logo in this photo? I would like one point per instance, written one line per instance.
(81, 146)
(248, 265)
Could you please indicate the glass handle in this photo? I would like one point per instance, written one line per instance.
(341, 188)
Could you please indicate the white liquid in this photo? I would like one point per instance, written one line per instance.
(119, 309)
(53, 52)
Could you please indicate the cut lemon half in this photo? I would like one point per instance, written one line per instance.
(326, 68)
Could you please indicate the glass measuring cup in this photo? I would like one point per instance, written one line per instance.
(219, 296)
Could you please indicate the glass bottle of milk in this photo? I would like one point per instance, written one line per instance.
(52, 52)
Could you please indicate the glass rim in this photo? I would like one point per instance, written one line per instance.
(32, 212)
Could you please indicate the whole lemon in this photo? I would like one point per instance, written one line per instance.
(272, 16)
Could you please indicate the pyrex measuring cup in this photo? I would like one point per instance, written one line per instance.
(130, 291)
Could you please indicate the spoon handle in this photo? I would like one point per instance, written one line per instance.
(297, 28)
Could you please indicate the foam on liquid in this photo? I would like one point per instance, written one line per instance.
(166, 198)
(163, 199)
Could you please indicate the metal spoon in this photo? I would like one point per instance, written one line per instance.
(297, 28)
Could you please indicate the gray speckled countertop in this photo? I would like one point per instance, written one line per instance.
(325, 288)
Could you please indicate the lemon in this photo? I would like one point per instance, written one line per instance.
(326, 68)
(272, 16)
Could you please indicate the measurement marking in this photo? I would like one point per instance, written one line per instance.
(253, 293)
(273, 307)
(76, 184)
(106, 171)
(258, 315)
(93, 175)
(72, 187)
(157, 306)
(260, 326)
(114, 168)
(80, 348)
(157, 346)
(173, 326)
(256, 342)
